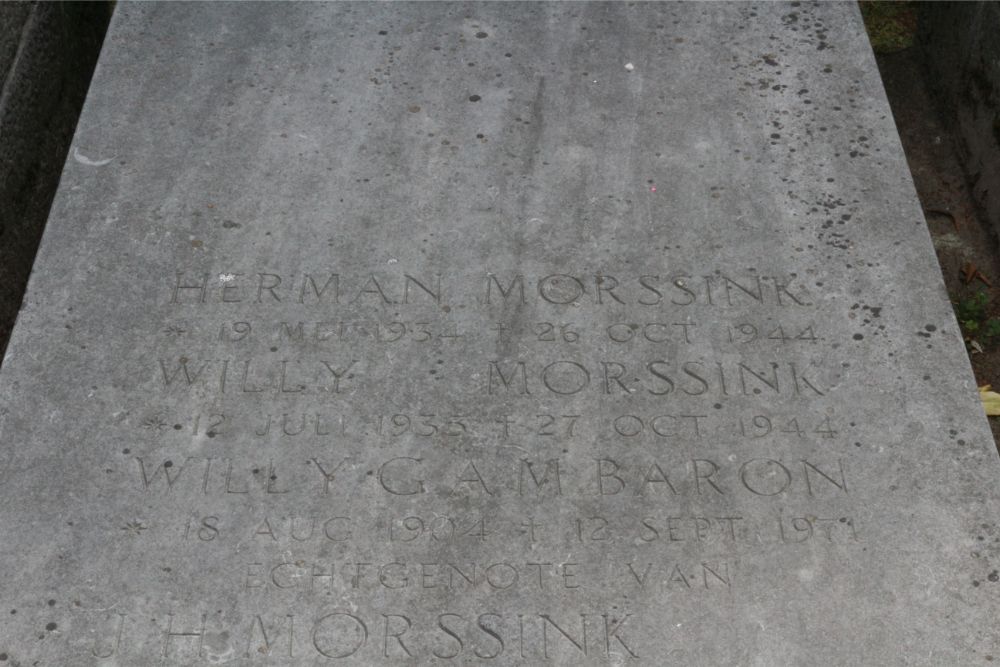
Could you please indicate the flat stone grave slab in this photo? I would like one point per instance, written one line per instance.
(500, 334)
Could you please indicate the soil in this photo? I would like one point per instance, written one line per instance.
(966, 246)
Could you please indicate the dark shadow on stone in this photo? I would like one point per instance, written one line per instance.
(47, 56)
(960, 45)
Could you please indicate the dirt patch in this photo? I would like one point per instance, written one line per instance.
(892, 26)
(966, 245)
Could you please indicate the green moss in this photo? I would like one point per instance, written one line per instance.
(891, 26)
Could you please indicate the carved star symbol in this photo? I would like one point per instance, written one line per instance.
(156, 423)
(134, 527)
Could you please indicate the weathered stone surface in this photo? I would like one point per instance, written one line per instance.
(431, 333)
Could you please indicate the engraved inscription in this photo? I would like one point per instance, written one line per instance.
(602, 429)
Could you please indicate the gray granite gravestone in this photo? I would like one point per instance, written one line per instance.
(500, 334)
